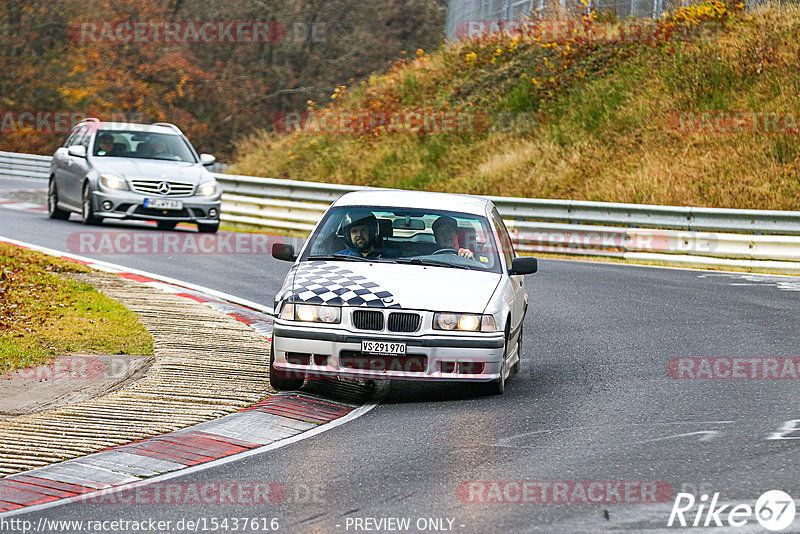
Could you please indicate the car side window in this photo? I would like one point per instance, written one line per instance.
(505, 239)
(86, 139)
(71, 137)
(80, 138)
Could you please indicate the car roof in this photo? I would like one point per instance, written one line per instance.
(415, 199)
(126, 126)
(134, 127)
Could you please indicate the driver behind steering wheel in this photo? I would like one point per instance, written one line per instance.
(446, 235)
(360, 232)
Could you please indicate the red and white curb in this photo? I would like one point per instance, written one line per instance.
(268, 422)
(23, 206)
(274, 422)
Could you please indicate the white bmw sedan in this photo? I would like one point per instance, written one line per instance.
(402, 285)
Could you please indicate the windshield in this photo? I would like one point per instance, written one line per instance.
(405, 235)
(142, 145)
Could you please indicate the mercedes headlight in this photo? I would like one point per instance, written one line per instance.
(464, 322)
(208, 189)
(311, 313)
(112, 181)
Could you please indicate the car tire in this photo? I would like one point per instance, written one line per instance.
(208, 228)
(86, 208)
(166, 225)
(53, 211)
(518, 364)
(279, 379)
(498, 387)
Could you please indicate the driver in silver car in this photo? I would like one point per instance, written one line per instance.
(445, 231)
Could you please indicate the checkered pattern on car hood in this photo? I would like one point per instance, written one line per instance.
(320, 282)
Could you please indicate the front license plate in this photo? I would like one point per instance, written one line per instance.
(163, 204)
(383, 347)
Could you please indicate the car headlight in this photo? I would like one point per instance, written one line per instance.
(464, 322)
(208, 189)
(112, 181)
(311, 313)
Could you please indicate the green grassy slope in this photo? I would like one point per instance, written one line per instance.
(579, 118)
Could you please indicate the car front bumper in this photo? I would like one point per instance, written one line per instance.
(436, 357)
(130, 205)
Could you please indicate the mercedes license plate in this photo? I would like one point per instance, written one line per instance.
(163, 204)
(383, 347)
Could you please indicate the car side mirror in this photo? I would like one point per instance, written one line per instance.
(283, 251)
(207, 159)
(524, 265)
(79, 151)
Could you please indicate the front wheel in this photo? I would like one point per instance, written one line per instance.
(498, 387)
(281, 380)
(53, 211)
(518, 364)
(86, 208)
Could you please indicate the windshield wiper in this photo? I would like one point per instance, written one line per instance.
(434, 263)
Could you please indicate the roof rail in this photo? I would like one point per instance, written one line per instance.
(168, 125)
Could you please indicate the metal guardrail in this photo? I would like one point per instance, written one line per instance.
(318, 195)
(672, 234)
(14, 165)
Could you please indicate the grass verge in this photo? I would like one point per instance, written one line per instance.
(43, 314)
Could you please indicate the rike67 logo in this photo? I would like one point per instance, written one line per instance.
(774, 510)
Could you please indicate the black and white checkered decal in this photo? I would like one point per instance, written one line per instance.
(319, 282)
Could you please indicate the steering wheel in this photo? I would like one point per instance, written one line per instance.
(446, 251)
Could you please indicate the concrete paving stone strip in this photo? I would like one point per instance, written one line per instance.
(79, 471)
(118, 457)
(137, 473)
